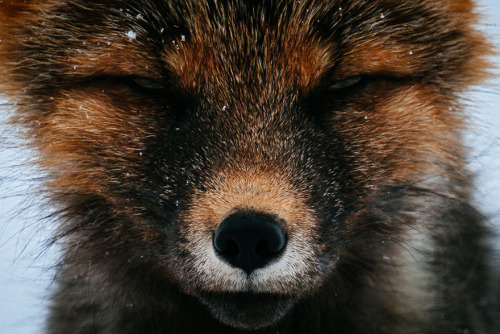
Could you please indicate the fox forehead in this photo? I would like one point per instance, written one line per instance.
(212, 45)
(194, 44)
(241, 53)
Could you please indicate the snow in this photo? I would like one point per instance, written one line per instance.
(131, 34)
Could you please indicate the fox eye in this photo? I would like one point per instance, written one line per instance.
(346, 83)
(148, 83)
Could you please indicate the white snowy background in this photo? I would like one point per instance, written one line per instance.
(25, 264)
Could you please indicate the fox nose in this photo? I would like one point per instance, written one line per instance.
(249, 240)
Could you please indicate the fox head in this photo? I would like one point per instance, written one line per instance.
(250, 154)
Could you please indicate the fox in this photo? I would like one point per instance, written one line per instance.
(265, 166)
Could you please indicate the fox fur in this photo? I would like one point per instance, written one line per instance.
(157, 119)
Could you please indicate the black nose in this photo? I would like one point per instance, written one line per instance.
(249, 240)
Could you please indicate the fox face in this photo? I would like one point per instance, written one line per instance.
(253, 158)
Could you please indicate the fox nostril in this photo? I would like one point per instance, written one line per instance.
(249, 240)
(230, 248)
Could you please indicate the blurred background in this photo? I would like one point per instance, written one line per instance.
(26, 263)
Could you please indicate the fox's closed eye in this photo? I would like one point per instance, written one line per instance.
(346, 83)
(148, 84)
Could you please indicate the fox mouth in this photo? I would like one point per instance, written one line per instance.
(247, 310)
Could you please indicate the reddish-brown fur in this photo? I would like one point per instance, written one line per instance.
(242, 112)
